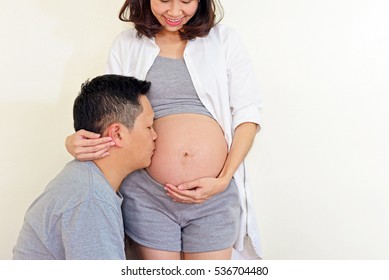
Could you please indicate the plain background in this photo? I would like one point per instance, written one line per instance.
(319, 167)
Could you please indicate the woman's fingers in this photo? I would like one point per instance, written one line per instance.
(94, 151)
(186, 196)
(85, 145)
(87, 134)
(97, 144)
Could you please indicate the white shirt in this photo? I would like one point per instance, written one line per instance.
(225, 82)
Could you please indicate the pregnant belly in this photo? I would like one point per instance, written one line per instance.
(188, 147)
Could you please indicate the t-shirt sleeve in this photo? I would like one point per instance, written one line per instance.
(93, 231)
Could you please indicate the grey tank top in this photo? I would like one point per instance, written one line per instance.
(172, 90)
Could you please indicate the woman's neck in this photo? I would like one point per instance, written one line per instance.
(170, 44)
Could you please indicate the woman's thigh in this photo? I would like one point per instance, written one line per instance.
(214, 255)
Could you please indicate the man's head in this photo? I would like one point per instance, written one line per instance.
(108, 99)
(116, 106)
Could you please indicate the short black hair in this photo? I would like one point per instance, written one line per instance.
(108, 99)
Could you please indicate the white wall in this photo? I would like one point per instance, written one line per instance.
(320, 164)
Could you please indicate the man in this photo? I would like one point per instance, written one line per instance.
(78, 216)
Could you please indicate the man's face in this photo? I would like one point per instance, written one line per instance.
(141, 137)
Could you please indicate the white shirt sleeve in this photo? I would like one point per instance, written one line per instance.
(245, 96)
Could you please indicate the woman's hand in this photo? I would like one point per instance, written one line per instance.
(196, 191)
(85, 145)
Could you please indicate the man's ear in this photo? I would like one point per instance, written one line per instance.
(115, 131)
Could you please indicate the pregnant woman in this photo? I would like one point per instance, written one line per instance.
(192, 201)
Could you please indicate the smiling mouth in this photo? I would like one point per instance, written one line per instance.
(173, 22)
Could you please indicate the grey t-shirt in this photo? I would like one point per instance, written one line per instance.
(78, 216)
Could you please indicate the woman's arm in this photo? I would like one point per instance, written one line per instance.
(245, 103)
(199, 190)
(85, 145)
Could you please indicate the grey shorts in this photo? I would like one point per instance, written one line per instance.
(154, 220)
